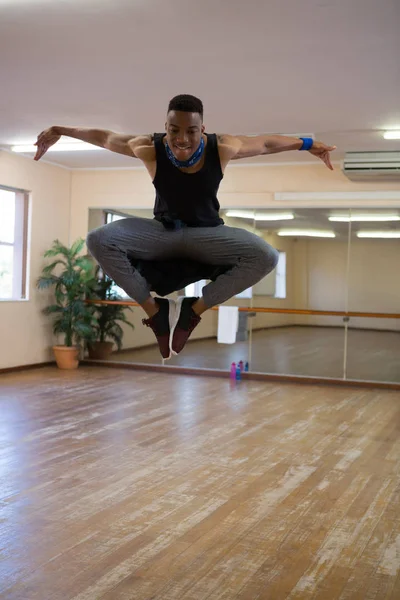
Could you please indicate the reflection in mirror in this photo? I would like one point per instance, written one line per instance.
(311, 275)
(137, 344)
(207, 347)
(374, 343)
(317, 270)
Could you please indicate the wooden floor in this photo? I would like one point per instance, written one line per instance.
(129, 485)
(306, 351)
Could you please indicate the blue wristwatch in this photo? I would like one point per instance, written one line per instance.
(307, 143)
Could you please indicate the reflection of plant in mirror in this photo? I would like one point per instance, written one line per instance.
(106, 326)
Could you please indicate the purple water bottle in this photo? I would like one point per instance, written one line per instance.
(241, 365)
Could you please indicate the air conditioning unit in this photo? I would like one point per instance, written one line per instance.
(368, 166)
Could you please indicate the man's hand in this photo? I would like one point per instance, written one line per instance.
(322, 151)
(45, 140)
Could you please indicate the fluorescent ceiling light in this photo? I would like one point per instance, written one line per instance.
(378, 234)
(392, 135)
(306, 233)
(370, 217)
(350, 197)
(251, 214)
(63, 147)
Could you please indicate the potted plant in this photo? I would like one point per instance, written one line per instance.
(106, 328)
(72, 277)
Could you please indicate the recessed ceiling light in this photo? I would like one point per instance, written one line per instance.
(360, 218)
(392, 135)
(306, 233)
(378, 234)
(258, 216)
(63, 147)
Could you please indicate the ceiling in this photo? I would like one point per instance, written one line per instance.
(325, 67)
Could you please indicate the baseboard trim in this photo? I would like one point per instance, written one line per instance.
(176, 370)
(28, 367)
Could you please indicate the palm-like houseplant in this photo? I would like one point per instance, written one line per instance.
(106, 327)
(72, 277)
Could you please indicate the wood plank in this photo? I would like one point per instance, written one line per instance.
(124, 484)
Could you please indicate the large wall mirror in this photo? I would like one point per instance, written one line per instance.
(330, 260)
(373, 348)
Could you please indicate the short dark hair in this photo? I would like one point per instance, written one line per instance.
(186, 103)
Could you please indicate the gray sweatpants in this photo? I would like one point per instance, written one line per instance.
(147, 239)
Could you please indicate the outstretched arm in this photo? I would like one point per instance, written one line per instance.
(242, 146)
(121, 143)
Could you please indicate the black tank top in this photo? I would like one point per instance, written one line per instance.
(188, 197)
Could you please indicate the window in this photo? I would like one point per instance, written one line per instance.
(110, 217)
(280, 276)
(248, 293)
(195, 289)
(13, 243)
(274, 284)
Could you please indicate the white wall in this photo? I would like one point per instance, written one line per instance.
(320, 271)
(27, 332)
(373, 281)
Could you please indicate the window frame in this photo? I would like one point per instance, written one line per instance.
(19, 245)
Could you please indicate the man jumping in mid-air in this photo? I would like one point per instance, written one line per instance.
(186, 166)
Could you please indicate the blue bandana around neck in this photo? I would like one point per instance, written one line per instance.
(186, 163)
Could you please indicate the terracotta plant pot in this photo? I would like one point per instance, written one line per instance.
(100, 350)
(67, 357)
